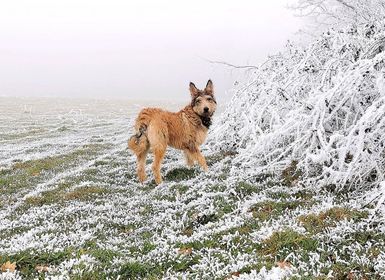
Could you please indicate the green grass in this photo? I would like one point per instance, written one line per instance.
(213, 242)
(257, 266)
(281, 243)
(270, 209)
(245, 189)
(304, 195)
(59, 195)
(181, 173)
(47, 197)
(242, 239)
(27, 173)
(179, 188)
(16, 136)
(84, 193)
(26, 261)
(225, 246)
(214, 158)
(284, 195)
(371, 244)
(137, 270)
(223, 206)
(319, 222)
(36, 167)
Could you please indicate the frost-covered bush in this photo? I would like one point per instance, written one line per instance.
(340, 12)
(322, 106)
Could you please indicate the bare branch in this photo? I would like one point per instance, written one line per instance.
(232, 65)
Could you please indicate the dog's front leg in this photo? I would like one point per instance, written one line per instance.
(201, 160)
(189, 158)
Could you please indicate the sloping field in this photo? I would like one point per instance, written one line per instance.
(71, 208)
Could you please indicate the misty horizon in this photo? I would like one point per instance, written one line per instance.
(145, 50)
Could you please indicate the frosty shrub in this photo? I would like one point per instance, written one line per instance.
(339, 12)
(322, 106)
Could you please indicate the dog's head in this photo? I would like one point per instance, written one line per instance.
(203, 101)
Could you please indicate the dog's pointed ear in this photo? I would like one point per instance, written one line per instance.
(209, 87)
(193, 90)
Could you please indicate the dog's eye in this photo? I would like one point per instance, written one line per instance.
(198, 101)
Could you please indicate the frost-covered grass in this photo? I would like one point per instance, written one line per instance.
(72, 208)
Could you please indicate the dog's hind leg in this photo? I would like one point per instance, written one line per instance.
(158, 158)
(141, 164)
(140, 146)
(158, 137)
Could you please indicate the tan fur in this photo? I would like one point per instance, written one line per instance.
(184, 130)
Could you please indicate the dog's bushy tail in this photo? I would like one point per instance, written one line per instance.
(138, 143)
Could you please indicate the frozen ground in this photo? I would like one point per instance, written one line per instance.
(71, 208)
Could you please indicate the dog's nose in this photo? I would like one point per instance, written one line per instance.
(206, 109)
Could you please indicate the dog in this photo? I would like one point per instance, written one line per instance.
(185, 130)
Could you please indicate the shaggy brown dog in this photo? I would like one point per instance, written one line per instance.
(185, 130)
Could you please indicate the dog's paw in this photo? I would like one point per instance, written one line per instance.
(142, 177)
(158, 180)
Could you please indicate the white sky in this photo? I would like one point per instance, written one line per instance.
(134, 48)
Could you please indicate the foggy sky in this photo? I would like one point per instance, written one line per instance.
(133, 49)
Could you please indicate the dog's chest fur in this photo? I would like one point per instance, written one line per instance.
(194, 130)
(201, 135)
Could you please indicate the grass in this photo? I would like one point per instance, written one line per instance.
(291, 174)
(84, 193)
(223, 206)
(140, 270)
(122, 228)
(179, 188)
(257, 266)
(281, 201)
(201, 244)
(16, 136)
(26, 261)
(59, 195)
(319, 222)
(281, 243)
(36, 167)
(197, 222)
(214, 158)
(137, 270)
(271, 209)
(245, 189)
(347, 266)
(47, 197)
(181, 173)
(142, 235)
(27, 173)
(276, 247)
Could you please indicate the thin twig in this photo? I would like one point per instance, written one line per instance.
(232, 65)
